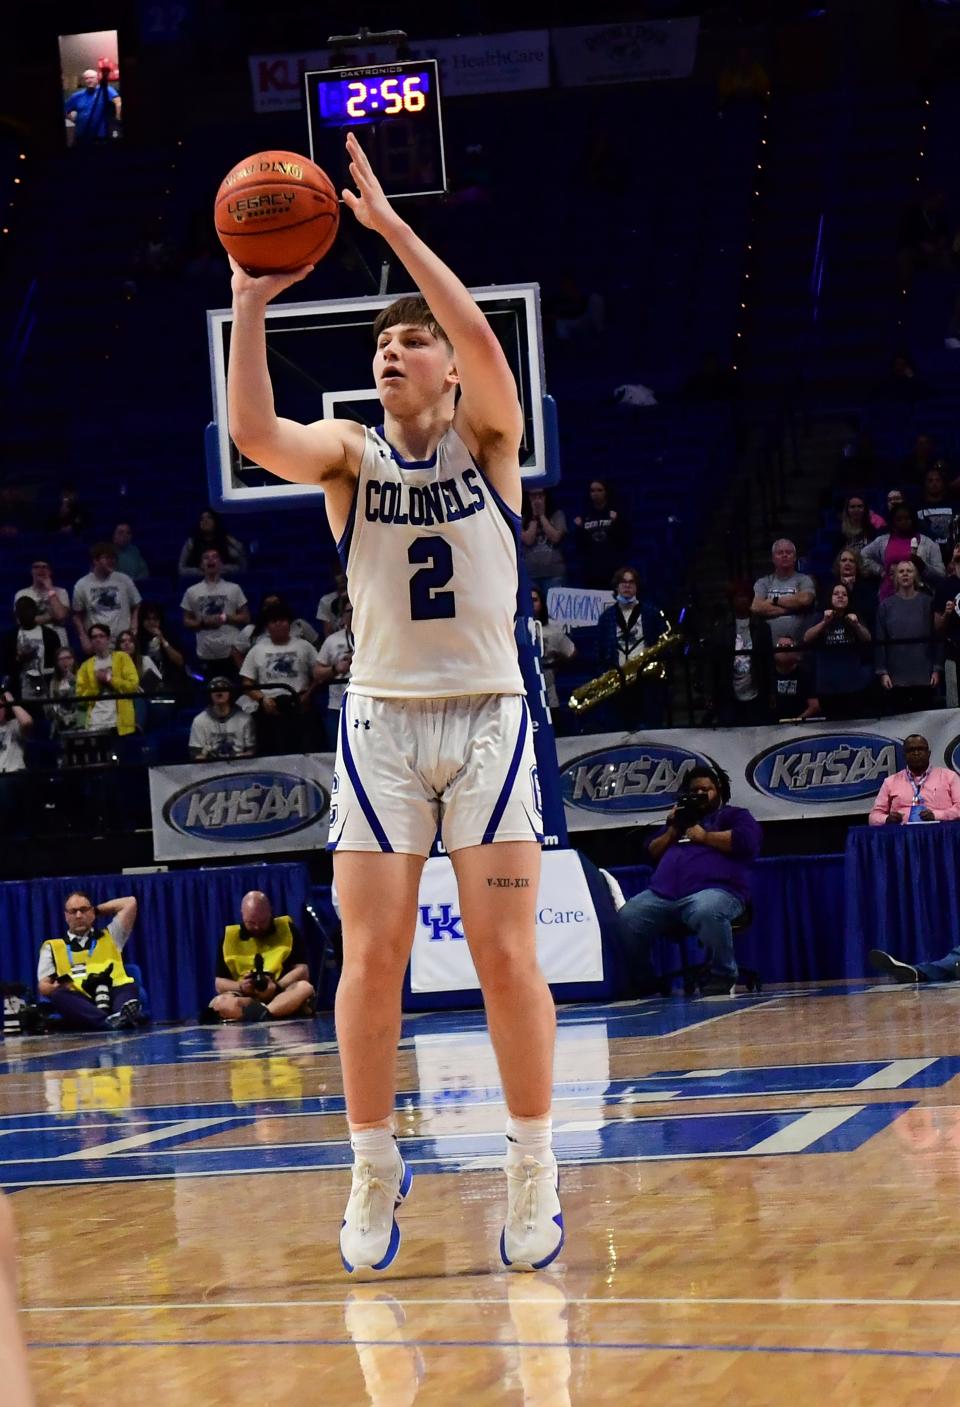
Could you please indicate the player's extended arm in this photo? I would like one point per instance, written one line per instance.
(306, 454)
(490, 404)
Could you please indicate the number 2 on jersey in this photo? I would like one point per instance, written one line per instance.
(426, 601)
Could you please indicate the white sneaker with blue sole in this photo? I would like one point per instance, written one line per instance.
(533, 1233)
(370, 1236)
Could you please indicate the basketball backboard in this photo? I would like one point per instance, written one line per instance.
(320, 358)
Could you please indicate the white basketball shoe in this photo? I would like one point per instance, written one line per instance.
(370, 1236)
(533, 1232)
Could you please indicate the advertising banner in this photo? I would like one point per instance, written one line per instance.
(493, 63)
(254, 806)
(568, 931)
(625, 53)
(782, 772)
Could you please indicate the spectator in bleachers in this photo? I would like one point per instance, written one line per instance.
(165, 654)
(624, 629)
(336, 657)
(215, 610)
(839, 642)
(222, 730)
(68, 517)
(15, 726)
(107, 669)
(903, 543)
(280, 674)
(557, 650)
(785, 596)
(793, 697)
(946, 619)
(856, 524)
(148, 673)
(330, 607)
(94, 109)
(861, 592)
(104, 597)
(300, 629)
(923, 456)
(602, 535)
(743, 80)
(28, 652)
(739, 663)
(66, 715)
(937, 516)
(924, 238)
(543, 528)
(909, 654)
(210, 532)
(130, 559)
(53, 603)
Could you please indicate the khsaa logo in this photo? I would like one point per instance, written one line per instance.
(635, 777)
(951, 754)
(246, 806)
(826, 767)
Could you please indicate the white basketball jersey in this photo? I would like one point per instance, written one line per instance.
(430, 552)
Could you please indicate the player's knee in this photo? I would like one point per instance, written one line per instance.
(304, 992)
(504, 966)
(376, 963)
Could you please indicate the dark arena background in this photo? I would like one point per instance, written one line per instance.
(720, 246)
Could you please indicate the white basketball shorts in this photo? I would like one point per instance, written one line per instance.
(408, 768)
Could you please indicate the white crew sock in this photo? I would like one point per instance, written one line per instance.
(377, 1145)
(529, 1138)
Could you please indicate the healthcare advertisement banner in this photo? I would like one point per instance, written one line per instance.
(255, 806)
(568, 931)
(779, 773)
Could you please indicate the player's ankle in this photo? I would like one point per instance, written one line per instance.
(529, 1138)
(376, 1143)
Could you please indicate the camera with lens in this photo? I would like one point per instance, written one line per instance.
(690, 811)
(261, 979)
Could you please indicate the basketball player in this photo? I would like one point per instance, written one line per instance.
(434, 728)
(13, 1355)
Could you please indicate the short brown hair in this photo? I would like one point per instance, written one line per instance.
(412, 310)
(103, 549)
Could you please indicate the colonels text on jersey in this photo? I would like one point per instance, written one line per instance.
(430, 551)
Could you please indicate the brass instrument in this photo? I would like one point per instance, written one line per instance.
(645, 664)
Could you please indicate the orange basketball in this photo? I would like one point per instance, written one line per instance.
(276, 211)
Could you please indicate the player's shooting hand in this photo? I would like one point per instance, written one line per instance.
(370, 206)
(263, 287)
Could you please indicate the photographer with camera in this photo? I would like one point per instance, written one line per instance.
(262, 969)
(82, 974)
(701, 879)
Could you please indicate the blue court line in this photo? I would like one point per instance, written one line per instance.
(572, 1344)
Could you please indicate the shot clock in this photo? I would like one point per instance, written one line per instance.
(394, 110)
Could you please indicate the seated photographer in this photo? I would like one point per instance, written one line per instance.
(701, 879)
(82, 974)
(262, 969)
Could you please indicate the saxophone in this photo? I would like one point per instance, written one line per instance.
(646, 664)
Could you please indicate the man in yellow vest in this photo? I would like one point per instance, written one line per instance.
(82, 973)
(262, 971)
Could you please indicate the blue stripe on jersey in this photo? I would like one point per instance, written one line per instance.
(490, 834)
(379, 833)
(343, 545)
(512, 518)
(408, 463)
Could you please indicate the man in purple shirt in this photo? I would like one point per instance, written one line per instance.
(701, 880)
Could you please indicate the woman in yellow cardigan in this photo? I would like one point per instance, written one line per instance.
(107, 669)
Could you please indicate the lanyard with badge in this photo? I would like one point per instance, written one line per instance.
(918, 804)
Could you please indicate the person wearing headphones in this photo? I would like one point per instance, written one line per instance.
(702, 860)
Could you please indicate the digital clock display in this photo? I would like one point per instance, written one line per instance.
(394, 109)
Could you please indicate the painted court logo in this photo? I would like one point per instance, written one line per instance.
(247, 806)
(635, 777)
(826, 767)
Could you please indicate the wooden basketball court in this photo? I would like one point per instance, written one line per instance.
(760, 1198)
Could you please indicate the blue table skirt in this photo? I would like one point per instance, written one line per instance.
(902, 892)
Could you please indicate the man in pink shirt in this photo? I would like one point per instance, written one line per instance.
(918, 793)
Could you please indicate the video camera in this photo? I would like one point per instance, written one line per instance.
(261, 979)
(690, 811)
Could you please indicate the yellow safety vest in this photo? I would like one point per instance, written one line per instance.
(98, 958)
(238, 953)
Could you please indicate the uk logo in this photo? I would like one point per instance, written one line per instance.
(443, 923)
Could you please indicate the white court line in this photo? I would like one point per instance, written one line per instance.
(687, 1302)
(895, 1074)
(123, 1146)
(696, 1025)
(805, 1130)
